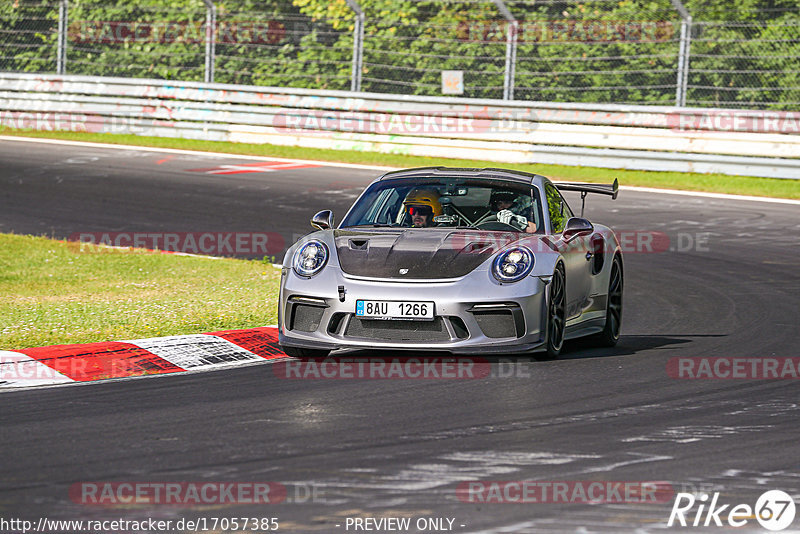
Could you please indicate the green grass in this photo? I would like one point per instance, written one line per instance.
(54, 292)
(717, 183)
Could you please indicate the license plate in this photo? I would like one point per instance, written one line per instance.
(394, 309)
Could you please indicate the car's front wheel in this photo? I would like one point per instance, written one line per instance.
(556, 315)
(296, 352)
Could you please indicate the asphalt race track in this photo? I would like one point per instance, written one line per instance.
(728, 285)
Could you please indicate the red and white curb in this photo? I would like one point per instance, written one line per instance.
(63, 364)
(262, 166)
(315, 163)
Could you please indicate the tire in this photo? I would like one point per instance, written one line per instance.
(556, 315)
(296, 352)
(610, 334)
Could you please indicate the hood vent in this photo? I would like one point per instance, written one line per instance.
(476, 247)
(359, 244)
(421, 253)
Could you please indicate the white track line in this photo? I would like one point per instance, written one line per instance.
(192, 152)
(369, 167)
(709, 195)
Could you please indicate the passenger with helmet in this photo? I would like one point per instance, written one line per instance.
(504, 204)
(422, 205)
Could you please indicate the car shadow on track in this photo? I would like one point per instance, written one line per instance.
(628, 345)
(575, 349)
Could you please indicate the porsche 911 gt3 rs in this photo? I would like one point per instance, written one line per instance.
(469, 261)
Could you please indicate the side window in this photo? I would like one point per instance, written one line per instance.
(382, 208)
(567, 211)
(557, 208)
(389, 206)
(374, 208)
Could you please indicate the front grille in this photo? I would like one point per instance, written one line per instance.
(306, 318)
(496, 324)
(388, 330)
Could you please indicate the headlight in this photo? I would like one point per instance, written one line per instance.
(513, 265)
(310, 258)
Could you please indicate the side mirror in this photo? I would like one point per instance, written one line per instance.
(575, 227)
(323, 220)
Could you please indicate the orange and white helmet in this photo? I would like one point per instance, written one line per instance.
(423, 198)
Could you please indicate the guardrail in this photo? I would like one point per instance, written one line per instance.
(752, 143)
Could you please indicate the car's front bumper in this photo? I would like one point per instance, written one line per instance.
(473, 314)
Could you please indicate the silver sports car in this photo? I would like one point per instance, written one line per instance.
(469, 261)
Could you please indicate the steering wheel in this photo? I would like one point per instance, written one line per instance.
(490, 222)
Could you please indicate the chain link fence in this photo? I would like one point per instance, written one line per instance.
(136, 41)
(406, 52)
(277, 48)
(599, 51)
(28, 35)
(704, 53)
(745, 64)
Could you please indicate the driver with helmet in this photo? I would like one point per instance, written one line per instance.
(422, 205)
(502, 203)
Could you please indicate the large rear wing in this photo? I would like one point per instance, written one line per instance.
(603, 189)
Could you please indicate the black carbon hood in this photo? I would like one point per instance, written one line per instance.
(424, 253)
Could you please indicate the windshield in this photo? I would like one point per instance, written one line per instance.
(448, 202)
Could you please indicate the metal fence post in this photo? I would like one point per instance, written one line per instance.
(511, 50)
(211, 29)
(61, 46)
(358, 46)
(683, 53)
(686, 53)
